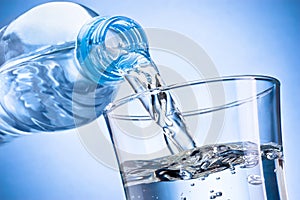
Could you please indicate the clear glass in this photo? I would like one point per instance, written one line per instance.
(235, 123)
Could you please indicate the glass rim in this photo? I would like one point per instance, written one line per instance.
(275, 82)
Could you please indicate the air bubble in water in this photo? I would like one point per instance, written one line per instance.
(215, 149)
(272, 155)
(182, 196)
(218, 194)
(184, 174)
(205, 165)
(254, 179)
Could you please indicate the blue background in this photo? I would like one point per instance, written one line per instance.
(241, 37)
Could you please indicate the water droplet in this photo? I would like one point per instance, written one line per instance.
(254, 179)
(211, 191)
(218, 178)
(193, 184)
(212, 196)
(233, 172)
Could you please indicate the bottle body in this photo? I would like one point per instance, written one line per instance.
(46, 94)
(42, 88)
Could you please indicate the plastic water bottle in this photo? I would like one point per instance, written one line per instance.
(58, 67)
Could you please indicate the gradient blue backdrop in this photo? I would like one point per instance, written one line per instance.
(241, 37)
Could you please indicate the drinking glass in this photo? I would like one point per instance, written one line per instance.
(235, 124)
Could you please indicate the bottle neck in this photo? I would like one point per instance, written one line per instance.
(105, 45)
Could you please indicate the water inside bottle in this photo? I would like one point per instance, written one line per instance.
(37, 93)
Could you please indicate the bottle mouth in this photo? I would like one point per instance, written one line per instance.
(105, 42)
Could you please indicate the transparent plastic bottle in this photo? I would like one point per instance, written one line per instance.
(58, 66)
